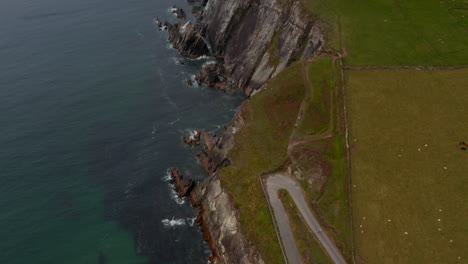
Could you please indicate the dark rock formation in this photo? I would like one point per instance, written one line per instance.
(256, 38)
(212, 76)
(183, 185)
(158, 23)
(193, 141)
(179, 12)
(216, 213)
(186, 39)
(218, 219)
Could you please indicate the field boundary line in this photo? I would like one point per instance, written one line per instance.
(345, 117)
(390, 67)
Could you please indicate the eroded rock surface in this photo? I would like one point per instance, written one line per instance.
(183, 185)
(256, 38)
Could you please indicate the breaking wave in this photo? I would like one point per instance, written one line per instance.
(192, 133)
(173, 222)
(191, 221)
(172, 192)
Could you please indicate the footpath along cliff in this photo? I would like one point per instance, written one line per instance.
(255, 40)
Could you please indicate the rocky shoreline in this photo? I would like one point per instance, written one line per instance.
(216, 213)
(255, 40)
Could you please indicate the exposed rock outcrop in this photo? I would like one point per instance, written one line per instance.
(182, 185)
(256, 38)
(186, 39)
(193, 140)
(220, 227)
(212, 75)
(179, 12)
(216, 213)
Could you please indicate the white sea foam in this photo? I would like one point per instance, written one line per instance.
(192, 134)
(167, 177)
(206, 63)
(173, 222)
(171, 9)
(194, 82)
(172, 192)
(175, 195)
(204, 57)
(191, 221)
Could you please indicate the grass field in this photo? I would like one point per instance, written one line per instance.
(259, 147)
(409, 175)
(317, 118)
(310, 249)
(396, 32)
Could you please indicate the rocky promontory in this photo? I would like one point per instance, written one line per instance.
(216, 213)
(182, 185)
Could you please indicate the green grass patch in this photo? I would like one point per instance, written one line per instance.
(394, 32)
(310, 249)
(409, 173)
(274, 56)
(322, 81)
(259, 147)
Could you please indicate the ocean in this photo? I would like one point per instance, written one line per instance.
(93, 106)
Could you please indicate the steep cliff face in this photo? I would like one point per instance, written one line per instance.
(216, 213)
(256, 38)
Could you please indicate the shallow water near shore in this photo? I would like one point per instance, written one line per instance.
(93, 106)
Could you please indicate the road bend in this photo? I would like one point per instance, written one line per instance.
(279, 181)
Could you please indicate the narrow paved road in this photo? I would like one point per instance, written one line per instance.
(276, 182)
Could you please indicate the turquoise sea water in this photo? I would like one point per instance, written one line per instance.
(92, 111)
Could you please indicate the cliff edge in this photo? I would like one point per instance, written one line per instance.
(256, 40)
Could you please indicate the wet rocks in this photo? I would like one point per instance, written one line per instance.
(212, 75)
(186, 39)
(193, 140)
(182, 185)
(179, 12)
(158, 23)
